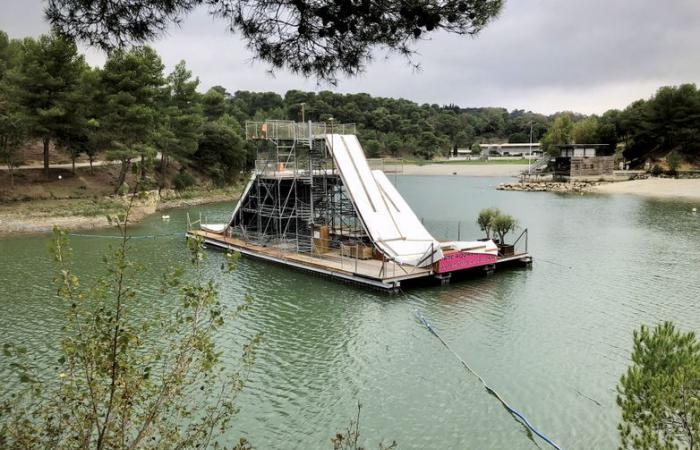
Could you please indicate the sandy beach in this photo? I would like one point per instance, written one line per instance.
(469, 170)
(654, 187)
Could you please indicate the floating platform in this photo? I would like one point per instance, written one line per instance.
(314, 203)
(373, 273)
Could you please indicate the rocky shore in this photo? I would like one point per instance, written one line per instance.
(656, 187)
(549, 186)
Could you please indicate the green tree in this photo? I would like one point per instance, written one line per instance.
(670, 120)
(321, 39)
(429, 145)
(13, 134)
(14, 122)
(180, 128)
(213, 104)
(609, 128)
(659, 395)
(486, 220)
(558, 134)
(132, 85)
(124, 380)
(46, 81)
(77, 136)
(502, 225)
(373, 148)
(221, 151)
(5, 53)
(586, 131)
(674, 160)
(518, 138)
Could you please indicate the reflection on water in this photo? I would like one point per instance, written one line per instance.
(553, 339)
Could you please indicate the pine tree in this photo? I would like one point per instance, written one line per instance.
(45, 82)
(132, 86)
(181, 126)
(660, 393)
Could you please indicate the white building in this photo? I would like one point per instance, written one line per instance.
(511, 149)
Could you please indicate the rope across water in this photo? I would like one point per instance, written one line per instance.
(515, 413)
(108, 236)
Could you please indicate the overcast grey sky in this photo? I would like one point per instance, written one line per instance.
(542, 55)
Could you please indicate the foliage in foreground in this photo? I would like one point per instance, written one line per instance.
(123, 381)
(349, 438)
(660, 393)
(307, 37)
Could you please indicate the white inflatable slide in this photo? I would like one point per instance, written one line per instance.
(386, 216)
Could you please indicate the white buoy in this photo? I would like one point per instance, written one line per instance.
(60, 177)
(165, 217)
(695, 210)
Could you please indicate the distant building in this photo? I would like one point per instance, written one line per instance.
(511, 149)
(584, 160)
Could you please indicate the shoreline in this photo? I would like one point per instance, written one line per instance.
(663, 188)
(653, 187)
(465, 170)
(38, 216)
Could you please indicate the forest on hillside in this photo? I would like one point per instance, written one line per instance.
(130, 110)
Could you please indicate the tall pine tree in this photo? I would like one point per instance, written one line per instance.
(181, 125)
(132, 87)
(45, 82)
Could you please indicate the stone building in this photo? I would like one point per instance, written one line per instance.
(584, 160)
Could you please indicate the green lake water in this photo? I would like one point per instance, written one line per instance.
(553, 339)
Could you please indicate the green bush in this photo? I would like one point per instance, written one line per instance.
(148, 183)
(123, 189)
(183, 180)
(673, 160)
(657, 170)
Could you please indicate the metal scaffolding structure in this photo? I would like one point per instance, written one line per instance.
(296, 199)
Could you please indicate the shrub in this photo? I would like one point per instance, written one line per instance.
(657, 170)
(123, 189)
(183, 180)
(673, 160)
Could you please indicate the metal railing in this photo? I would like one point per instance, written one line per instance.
(294, 168)
(287, 130)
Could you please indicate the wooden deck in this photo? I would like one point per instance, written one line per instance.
(375, 273)
(372, 272)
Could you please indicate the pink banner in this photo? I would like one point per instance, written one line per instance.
(452, 262)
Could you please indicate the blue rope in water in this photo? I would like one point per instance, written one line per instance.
(107, 236)
(510, 409)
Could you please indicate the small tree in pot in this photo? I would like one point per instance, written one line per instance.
(486, 219)
(502, 225)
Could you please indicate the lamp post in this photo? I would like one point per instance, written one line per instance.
(529, 159)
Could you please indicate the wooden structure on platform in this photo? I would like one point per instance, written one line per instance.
(584, 160)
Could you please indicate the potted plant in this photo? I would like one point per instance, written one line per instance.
(502, 225)
(485, 221)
